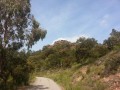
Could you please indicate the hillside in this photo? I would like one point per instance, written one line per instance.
(83, 65)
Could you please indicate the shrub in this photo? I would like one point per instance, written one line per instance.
(112, 65)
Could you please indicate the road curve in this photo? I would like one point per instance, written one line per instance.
(42, 83)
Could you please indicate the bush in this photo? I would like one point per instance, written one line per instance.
(112, 65)
(16, 72)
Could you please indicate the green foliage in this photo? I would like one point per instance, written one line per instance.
(114, 40)
(63, 54)
(64, 62)
(16, 70)
(18, 28)
(83, 48)
(98, 51)
(112, 64)
(59, 55)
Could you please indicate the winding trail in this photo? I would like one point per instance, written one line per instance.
(42, 83)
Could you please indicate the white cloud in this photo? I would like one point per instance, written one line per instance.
(71, 39)
(104, 21)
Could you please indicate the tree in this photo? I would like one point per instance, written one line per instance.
(99, 51)
(18, 25)
(83, 48)
(113, 40)
(59, 55)
(18, 28)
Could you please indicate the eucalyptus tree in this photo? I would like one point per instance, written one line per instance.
(18, 28)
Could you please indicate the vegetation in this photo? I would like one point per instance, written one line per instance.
(112, 64)
(75, 66)
(18, 28)
(66, 62)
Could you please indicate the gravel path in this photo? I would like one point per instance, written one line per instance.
(42, 83)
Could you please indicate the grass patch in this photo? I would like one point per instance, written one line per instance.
(65, 78)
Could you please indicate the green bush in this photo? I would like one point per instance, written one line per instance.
(112, 65)
(16, 72)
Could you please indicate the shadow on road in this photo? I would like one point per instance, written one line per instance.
(37, 87)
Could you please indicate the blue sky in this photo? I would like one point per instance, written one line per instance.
(70, 19)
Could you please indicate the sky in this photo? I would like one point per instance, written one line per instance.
(71, 19)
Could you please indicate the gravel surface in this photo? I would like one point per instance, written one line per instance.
(42, 83)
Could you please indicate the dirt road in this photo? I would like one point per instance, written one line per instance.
(42, 83)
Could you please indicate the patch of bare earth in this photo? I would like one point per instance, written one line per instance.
(78, 76)
(113, 82)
